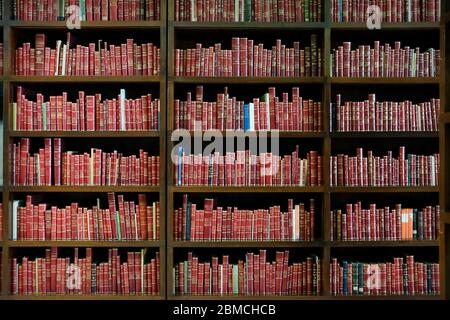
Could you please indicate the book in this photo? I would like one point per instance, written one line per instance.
(123, 273)
(1, 58)
(1, 221)
(120, 221)
(249, 59)
(384, 60)
(86, 10)
(408, 170)
(93, 59)
(398, 223)
(390, 10)
(386, 116)
(399, 276)
(191, 223)
(252, 276)
(248, 10)
(86, 113)
(70, 168)
(241, 168)
(269, 112)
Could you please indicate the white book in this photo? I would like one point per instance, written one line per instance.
(122, 109)
(194, 10)
(16, 204)
(64, 58)
(236, 10)
(58, 52)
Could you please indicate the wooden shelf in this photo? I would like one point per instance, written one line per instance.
(281, 134)
(408, 26)
(186, 25)
(247, 244)
(88, 244)
(83, 297)
(375, 244)
(447, 17)
(447, 218)
(445, 117)
(85, 79)
(384, 189)
(248, 80)
(384, 135)
(85, 134)
(399, 297)
(83, 189)
(205, 189)
(244, 298)
(62, 25)
(371, 81)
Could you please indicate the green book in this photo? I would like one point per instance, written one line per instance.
(14, 111)
(248, 10)
(44, 115)
(235, 279)
(119, 233)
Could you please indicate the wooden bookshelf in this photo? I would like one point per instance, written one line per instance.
(169, 33)
(326, 30)
(12, 30)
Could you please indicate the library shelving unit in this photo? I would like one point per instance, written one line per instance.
(445, 151)
(153, 31)
(425, 34)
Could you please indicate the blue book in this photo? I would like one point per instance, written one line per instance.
(180, 165)
(361, 278)
(246, 117)
(188, 221)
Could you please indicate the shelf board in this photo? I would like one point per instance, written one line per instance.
(62, 25)
(85, 134)
(374, 244)
(232, 133)
(83, 189)
(445, 117)
(85, 79)
(247, 244)
(362, 26)
(236, 297)
(387, 135)
(84, 297)
(249, 80)
(83, 244)
(391, 297)
(187, 25)
(258, 189)
(384, 80)
(384, 189)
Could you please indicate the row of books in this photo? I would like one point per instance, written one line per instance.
(95, 59)
(400, 277)
(131, 273)
(389, 10)
(71, 169)
(384, 224)
(371, 115)
(248, 10)
(266, 113)
(384, 171)
(384, 61)
(86, 10)
(231, 223)
(87, 113)
(124, 220)
(244, 169)
(248, 59)
(254, 276)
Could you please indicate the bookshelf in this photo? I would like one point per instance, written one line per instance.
(324, 87)
(185, 34)
(153, 31)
